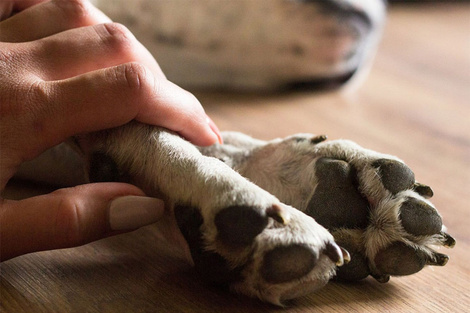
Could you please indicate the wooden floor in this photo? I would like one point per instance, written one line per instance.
(415, 104)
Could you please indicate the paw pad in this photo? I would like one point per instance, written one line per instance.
(337, 202)
(102, 168)
(400, 259)
(357, 268)
(213, 267)
(286, 263)
(419, 218)
(395, 175)
(239, 225)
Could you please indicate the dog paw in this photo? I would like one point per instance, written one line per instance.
(271, 251)
(369, 201)
(388, 224)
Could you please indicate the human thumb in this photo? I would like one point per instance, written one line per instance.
(73, 216)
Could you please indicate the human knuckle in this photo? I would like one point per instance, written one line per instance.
(38, 90)
(76, 11)
(116, 29)
(25, 99)
(137, 78)
(119, 37)
(36, 97)
(67, 225)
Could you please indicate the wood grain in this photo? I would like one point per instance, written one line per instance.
(415, 104)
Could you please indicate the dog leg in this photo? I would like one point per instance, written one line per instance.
(238, 233)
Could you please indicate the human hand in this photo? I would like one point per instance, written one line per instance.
(66, 69)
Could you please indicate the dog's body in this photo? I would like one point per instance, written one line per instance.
(245, 208)
(248, 44)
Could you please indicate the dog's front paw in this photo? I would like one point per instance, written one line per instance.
(370, 202)
(270, 251)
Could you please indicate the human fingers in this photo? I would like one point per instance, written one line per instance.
(80, 50)
(49, 18)
(112, 97)
(74, 216)
(10, 7)
(180, 111)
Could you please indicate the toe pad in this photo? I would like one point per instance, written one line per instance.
(287, 263)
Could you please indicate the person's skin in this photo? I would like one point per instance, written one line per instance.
(66, 69)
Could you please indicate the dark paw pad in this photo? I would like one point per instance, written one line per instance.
(337, 202)
(211, 266)
(400, 259)
(239, 225)
(283, 264)
(419, 218)
(102, 168)
(395, 175)
(356, 269)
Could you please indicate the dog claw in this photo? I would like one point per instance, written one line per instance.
(346, 255)
(449, 241)
(423, 190)
(279, 214)
(338, 255)
(382, 278)
(318, 139)
(439, 260)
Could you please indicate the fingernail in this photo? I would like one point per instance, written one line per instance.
(132, 212)
(215, 129)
